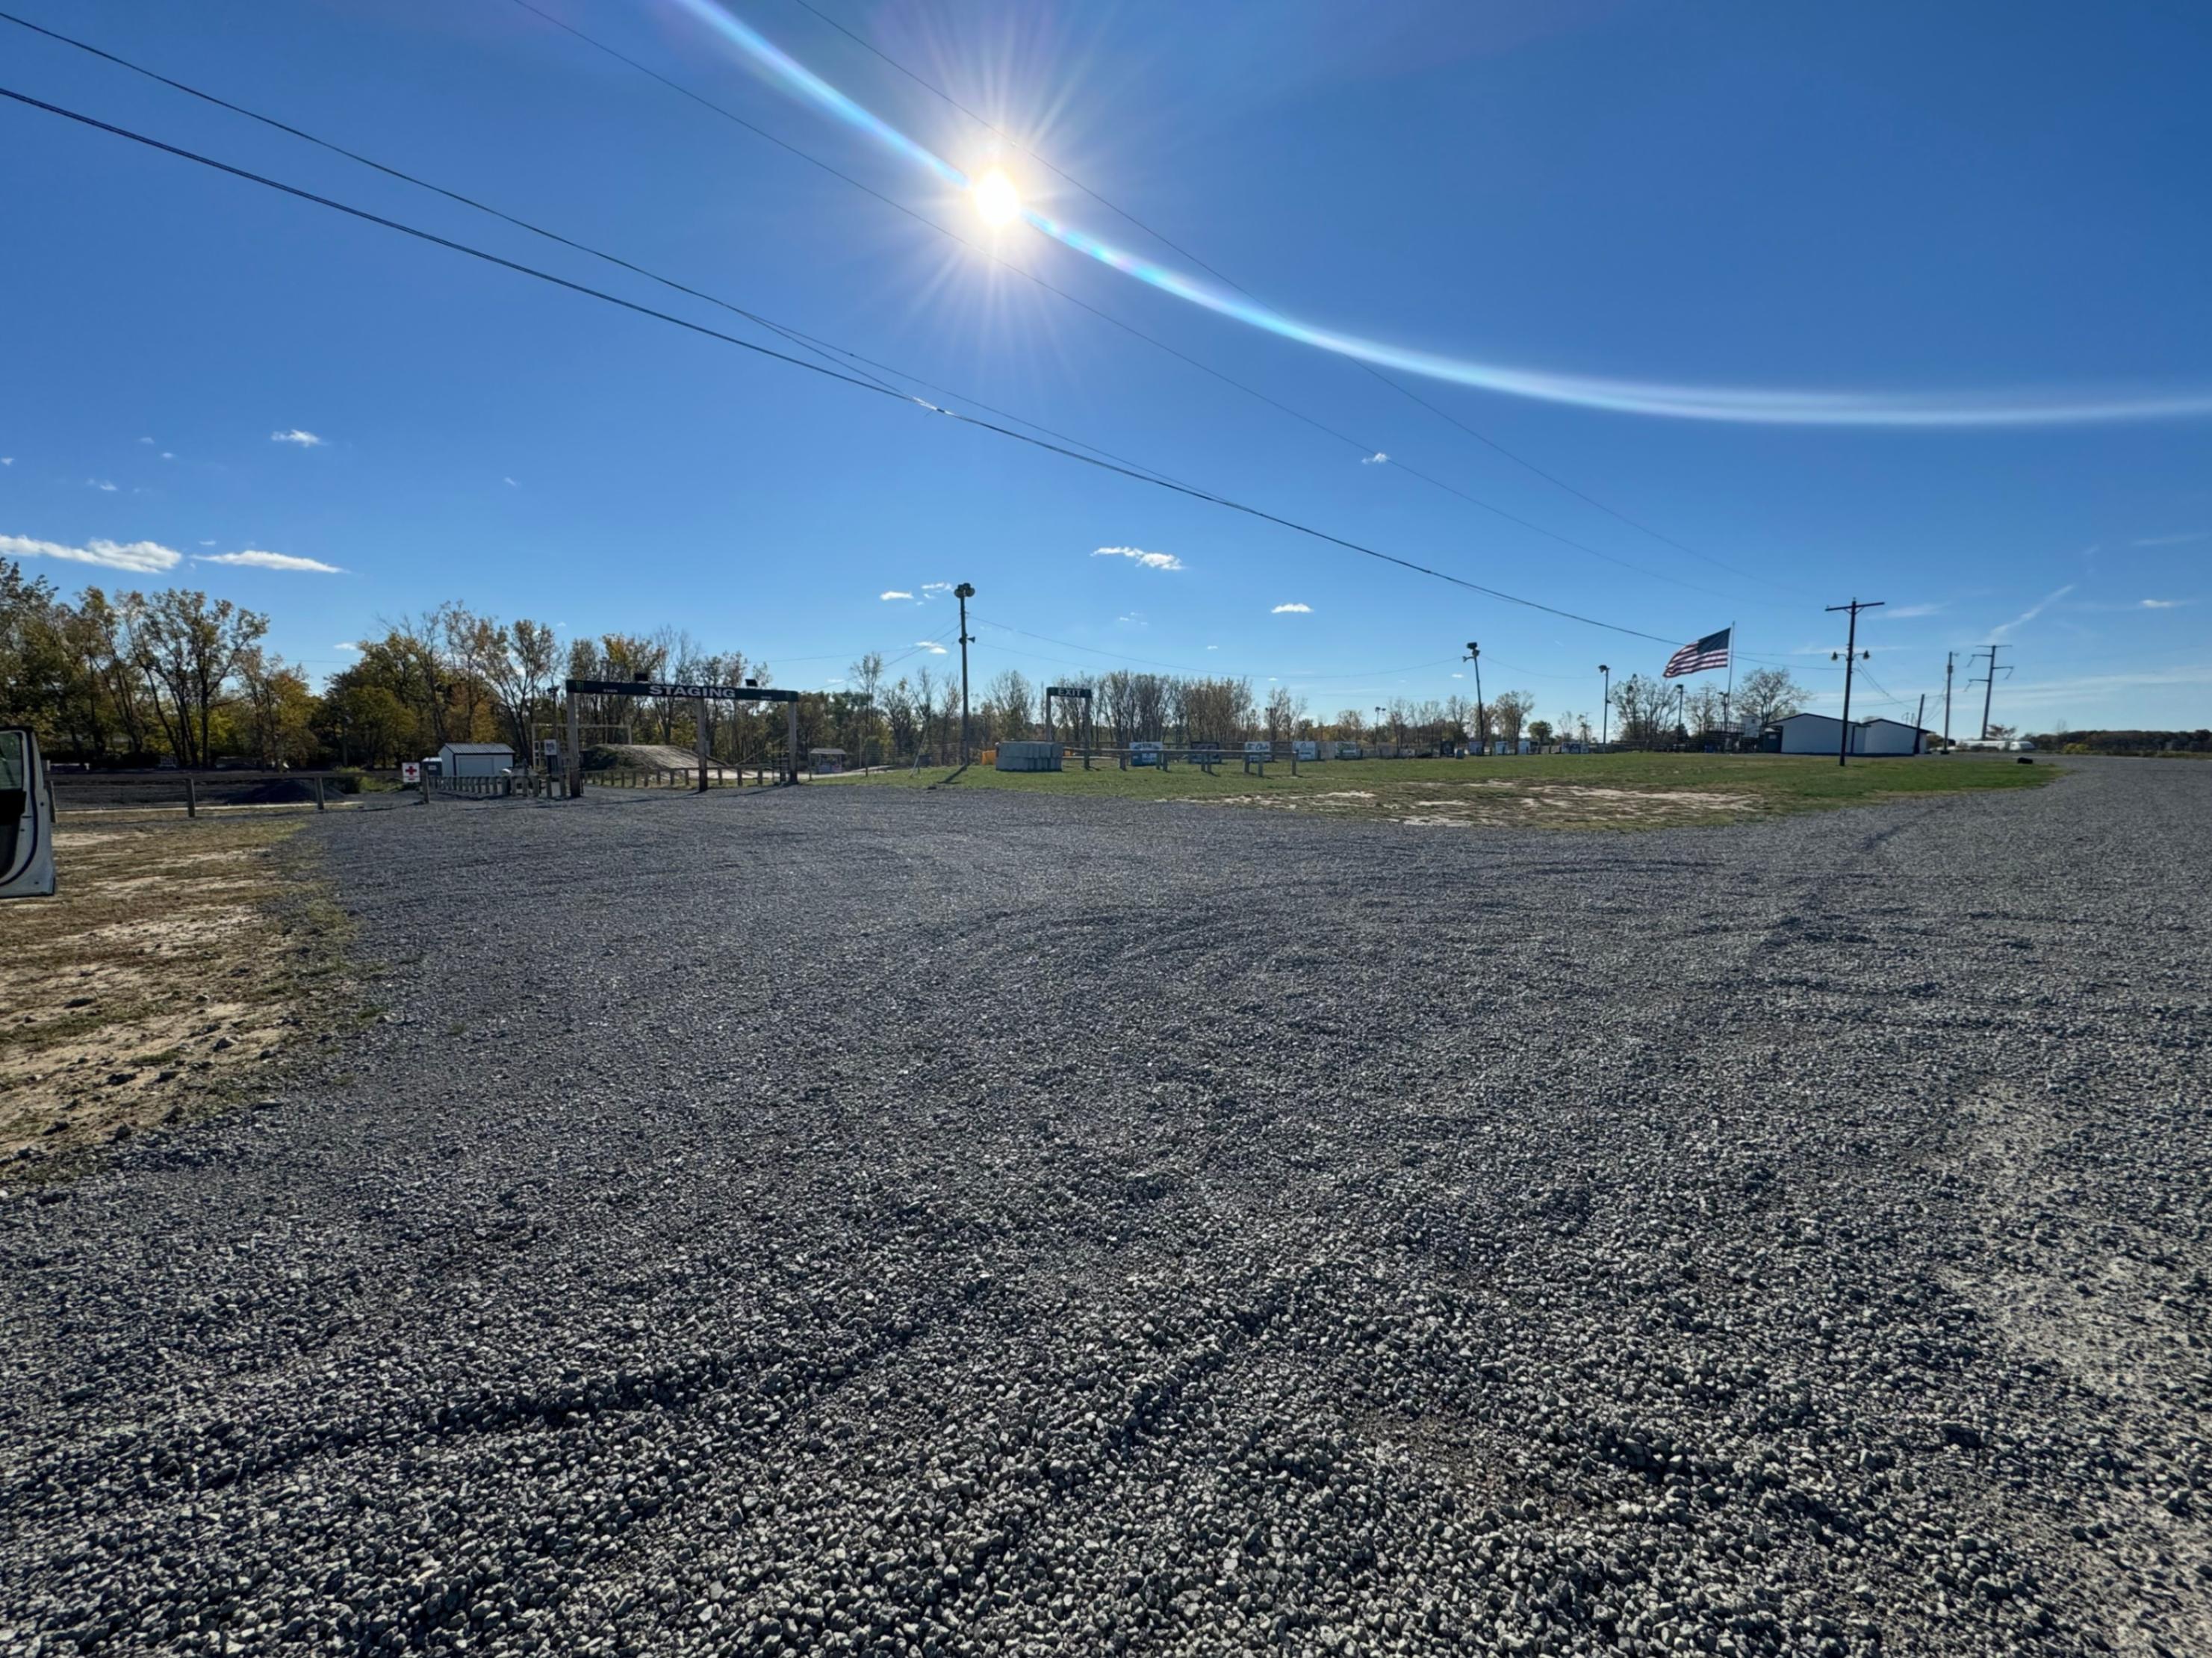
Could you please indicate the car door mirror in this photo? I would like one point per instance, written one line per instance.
(26, 818)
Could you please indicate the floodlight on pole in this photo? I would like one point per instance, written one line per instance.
(1481, 720)
(963, 592)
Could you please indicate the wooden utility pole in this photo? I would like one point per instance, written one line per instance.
(1604, 706)
(1949, 658)
(1850, 658)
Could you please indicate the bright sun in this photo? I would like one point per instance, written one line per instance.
(996, 199)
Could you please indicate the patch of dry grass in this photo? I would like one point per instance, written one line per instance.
(177, 958)
(1623, 791)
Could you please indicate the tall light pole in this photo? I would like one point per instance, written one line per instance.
(1605, 705)
(1378, 725)
(1481, 721)
(963, 592)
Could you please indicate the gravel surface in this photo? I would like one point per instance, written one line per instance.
(840, 1220)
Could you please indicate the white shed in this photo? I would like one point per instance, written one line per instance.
(475, 759)
(1809, 733)
(1818, 733)
(1886, 737)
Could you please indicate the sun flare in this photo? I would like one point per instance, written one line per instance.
(996, 198)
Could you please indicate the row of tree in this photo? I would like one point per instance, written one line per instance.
(128, 679)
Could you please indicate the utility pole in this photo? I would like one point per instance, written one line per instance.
(1604, 705)
(1481, 720)
(1850, 658)
(1989, 684)
(1920, 724)
(963, 592)
(1949, 658)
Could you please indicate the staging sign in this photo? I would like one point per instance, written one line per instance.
(1083, 691)
(686, 693)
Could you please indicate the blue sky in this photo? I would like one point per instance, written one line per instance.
(1999, 203)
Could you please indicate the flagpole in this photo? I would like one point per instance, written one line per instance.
(1728, 697)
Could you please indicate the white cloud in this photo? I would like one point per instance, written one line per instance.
(148, 442)
(259, 560)
(929, 645)
(7, 460)
(1150, 561)
(1378, 458)
(347, 644)
(1213, 648)
(1292, 609)
(101, 484)
(510, 483)
(894, 593)
(2031, 612)
(167, 455)
(1912, 612)
(139, 557)
(303, 439)
(2172, 541)
(1461, 675)
(2166, 603)
(207, 543)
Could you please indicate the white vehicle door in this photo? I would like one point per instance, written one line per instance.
(26, 818)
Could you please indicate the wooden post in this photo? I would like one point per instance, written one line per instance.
(791, 735)
(704, 729)
(319, 792)
(192, 797)
(576, 754)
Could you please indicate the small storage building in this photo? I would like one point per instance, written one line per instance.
(1821, 733)
(475, 760)
(1806, 733)
(1886, 737)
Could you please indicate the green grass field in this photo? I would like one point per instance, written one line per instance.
(1567, 791)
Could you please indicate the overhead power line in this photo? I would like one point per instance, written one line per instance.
(1171, 667)
(817, 346)
(1181, 251)
(1359, 445)
(1226, 502)
(821, 348)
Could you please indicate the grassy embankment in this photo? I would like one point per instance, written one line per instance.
(177, 959)
(1566, 791)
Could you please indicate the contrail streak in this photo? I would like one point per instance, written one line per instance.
(1742, 404)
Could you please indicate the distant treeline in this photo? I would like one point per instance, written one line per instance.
(2126, 742)
(131, 679)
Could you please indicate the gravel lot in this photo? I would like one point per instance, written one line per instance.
(840, 1220)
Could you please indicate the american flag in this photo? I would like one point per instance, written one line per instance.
(1711, 652)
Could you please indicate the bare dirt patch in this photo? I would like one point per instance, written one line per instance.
(176, 959)
(1507, 802)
